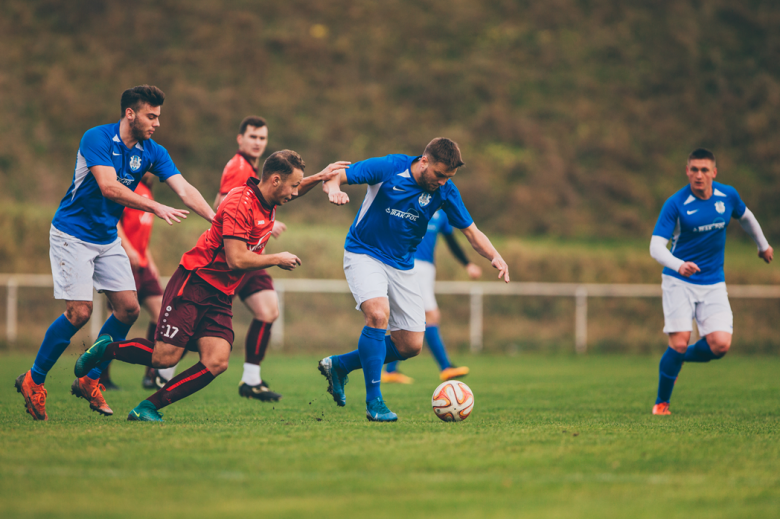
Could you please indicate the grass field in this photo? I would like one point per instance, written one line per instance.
(550, 436)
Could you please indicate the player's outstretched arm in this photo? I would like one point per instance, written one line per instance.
(190, 196)
(472, 270)
(749, 222)
(111, 188)
(664, 256)
(482, 245)
(332, 170)
(238, 257)
(333, 189)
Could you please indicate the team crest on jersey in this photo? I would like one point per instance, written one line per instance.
(424, 199)
(720, 207)
(135, 162)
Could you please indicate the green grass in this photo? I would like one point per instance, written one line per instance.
(550, 436)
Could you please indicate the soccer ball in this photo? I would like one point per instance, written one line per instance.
(453, 401)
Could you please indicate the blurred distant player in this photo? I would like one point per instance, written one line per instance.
(257, 288)
(695, 219)
(425, 270)
(85, 251)
(197, 304)
(403, 194)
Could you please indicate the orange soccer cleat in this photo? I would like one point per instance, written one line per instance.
(90, 390)
(453, 372)
(662, 408)
(34, 396)
(396, 377)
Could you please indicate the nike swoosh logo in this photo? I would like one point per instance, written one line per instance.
(396, 189)
(136, 413)
(375, 381)
(117, 154)
(691, 212)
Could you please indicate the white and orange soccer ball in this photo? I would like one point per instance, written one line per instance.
(453, 401)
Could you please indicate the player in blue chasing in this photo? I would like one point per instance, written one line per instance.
(694, 287)
(425, 270)
(85, 251)
(403, 194)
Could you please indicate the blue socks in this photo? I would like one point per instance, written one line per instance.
(669, 368)
(437, 347)
(54, 343)
(118, 331)
(372, 351)
(349, 362)
(700, 352)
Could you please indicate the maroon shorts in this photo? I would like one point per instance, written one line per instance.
(198, 310)
(254, 281)
(146, 283)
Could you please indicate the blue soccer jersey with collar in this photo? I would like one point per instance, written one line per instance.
(697, 229)
(426, 250)
(396, 210)
(84, 212)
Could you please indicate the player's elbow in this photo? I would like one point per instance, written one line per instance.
(235, 261)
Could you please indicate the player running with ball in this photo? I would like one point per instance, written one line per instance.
(695, 219)
(403, 194)
(197, 304)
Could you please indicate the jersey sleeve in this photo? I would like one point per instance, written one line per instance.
(163, 165)
(739, 205)
(457, 214)
(667, 220)
(236, 218)
(95, 147)
(372, 171)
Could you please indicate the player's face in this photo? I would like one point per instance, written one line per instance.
(701, 173)
(253, 141)
(434, 174)
(144, 122)
(285, 189)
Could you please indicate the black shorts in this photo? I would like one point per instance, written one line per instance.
(146, 283)
(254, 281)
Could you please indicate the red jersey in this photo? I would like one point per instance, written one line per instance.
(237, 171)
(243, 215)
(137, 225)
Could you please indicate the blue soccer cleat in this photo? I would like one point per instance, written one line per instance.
(336, 380)
(377, 411)
(145, 412)
(92, 357)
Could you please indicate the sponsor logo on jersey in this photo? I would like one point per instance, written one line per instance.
(718, 223)
(720, 207)
(260, 245)
(135, 162)
(424, 199)
(411, 215)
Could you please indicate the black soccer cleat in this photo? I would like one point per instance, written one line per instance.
(260, 392)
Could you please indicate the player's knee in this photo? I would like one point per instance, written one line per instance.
(268, 314)
(720, 348)
(129, 314)
(376, 319)
(216, 366)
(678, 345)
(78, 315)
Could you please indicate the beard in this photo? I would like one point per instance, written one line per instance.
(138, 133)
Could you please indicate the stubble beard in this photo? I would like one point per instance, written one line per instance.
(137, 132)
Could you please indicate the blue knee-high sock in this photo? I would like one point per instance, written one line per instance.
(372, 351)
(54, 343)
(437, 347)
(391, 353)
(392, 367)
(700, 352)
(118, 331)
(348, 362)
(669, 368)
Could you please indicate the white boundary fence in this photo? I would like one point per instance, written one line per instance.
(475, 290)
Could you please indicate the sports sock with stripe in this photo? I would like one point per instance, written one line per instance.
(372, 351)
(54, 344)
(671, 362)
(700, 352)
(118, 331)
(186, 383)
(134, 351)
(257, 339)
(436, 345)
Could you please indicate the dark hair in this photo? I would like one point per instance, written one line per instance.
(252, 120)
(445, 151)
(282, 162)
(136, 96)
(701, 154)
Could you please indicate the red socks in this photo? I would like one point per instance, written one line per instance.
(182, 385)
(150, 331)
(135, 351)
(257, 341)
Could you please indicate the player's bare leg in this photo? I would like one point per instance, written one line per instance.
(264, 306)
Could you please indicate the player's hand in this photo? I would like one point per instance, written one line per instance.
(767, 255)
(287, 261)
(333, 170)
(503, 270)
(473, 271)
(338, 198)
(170, 213)
(688, 268)
(278, 229)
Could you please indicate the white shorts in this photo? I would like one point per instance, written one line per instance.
(77, 266)
(708, 304)
(369, 278)
(426, 278)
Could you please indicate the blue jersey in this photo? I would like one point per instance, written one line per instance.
(697, 229)
(427, 247)
(395, 213)
(84, 212)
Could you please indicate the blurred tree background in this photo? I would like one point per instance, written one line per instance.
(575, 116)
